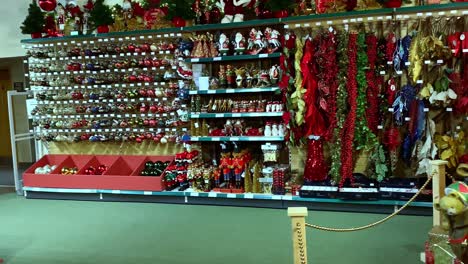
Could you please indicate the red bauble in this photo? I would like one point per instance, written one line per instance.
(132, 78)
(142, 92)
(280, 14)
(265, 14)
(90, 171)
(152, 123)
(178, 22)
(393, 3)
(103, 29)
(215, 16)
(153, 109)
(139, 140)
(131, 48)
(48, 5)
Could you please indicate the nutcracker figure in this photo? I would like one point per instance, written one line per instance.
(238, 163)
(217, 176)
(226, 165)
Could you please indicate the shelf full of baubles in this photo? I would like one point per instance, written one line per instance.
(252, 98)
(134, 90)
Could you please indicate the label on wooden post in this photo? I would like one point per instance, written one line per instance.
(298, 215)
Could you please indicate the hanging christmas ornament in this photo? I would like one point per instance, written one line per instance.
(48, 5)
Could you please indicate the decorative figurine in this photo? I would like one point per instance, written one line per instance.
(255, 43)
(239, 44)
(238, 164)
(217, 176)
(230, 76)
(61, 18)
(233, 10)
(226, 165)
(274, 74)
(222, 77)
(240, 72)
(454, 208)
(272, 36)
(223, 44)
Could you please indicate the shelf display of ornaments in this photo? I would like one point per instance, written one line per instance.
(370, 104)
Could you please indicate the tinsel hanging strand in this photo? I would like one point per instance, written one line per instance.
(349, 125)
(364, 138)
(342, 106)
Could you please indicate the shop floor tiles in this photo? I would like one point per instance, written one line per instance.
(62, 232)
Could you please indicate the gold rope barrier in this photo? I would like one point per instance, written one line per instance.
(376, 223)
(298, 214)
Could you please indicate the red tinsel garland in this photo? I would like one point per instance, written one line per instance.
(392, 139)
(349, 125)
(372, 110)
(330, 72)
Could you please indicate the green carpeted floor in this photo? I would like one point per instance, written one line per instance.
(49, 232)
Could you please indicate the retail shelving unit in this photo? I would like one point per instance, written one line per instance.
(187, 197)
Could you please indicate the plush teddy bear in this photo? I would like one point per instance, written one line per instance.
(454, 207)
(233, 10)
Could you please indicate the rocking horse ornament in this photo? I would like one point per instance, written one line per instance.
(256, 43)
(233, 10)
(272, 36)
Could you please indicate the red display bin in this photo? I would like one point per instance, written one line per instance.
(124, 175)
(46, 160)
(56, 179)
(107, 160)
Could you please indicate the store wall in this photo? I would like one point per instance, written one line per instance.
(15, 68)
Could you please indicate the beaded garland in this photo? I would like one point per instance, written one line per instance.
(349, 125)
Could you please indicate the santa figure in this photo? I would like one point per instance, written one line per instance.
(233, 10)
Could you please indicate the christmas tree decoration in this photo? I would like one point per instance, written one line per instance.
(179, 12)
(280, 8)
(248, 186)
(256, 186)
(34, 22)
(101, 16)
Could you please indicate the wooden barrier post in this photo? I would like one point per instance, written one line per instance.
(438, 187)
(298, 215)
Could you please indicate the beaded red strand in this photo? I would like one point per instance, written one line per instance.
(349, 125)
(373, 89)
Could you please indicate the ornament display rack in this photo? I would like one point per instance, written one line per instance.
(184, 197)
